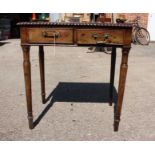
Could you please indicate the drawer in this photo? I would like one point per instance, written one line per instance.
(48, 35)
(94, 36)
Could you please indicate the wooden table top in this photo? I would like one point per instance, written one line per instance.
(41, 23)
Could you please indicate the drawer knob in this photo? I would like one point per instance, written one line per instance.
(106, 36)
(51, 34)
(95, 36)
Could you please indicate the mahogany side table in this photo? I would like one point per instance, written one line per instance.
(80, 34)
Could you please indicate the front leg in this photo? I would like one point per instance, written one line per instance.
(27, 76)
(121, 87)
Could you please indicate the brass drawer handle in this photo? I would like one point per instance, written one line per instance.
(105, 36)
(51, 34)
(101, 42)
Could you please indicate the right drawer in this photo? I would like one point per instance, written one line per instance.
(94, 36)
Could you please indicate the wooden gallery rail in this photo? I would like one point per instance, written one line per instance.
(80, 34)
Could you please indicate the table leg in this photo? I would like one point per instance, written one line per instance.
(42, 72)
(27, 76)
(112, 74)
(121, 87)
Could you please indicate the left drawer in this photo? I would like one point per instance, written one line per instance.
(50, 35)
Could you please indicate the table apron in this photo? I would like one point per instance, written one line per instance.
(75, 36)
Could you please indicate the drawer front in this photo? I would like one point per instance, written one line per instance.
(50, 35)
(94, 36)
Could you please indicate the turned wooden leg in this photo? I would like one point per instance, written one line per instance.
(27, 76)
(42, 72)
(121, 87)
(112, 74)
